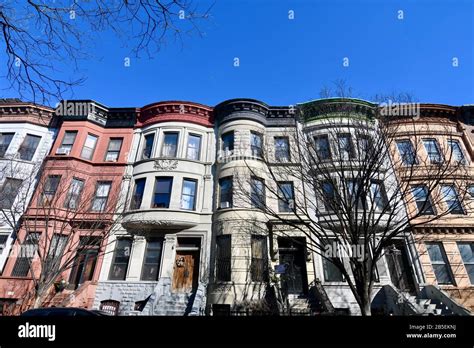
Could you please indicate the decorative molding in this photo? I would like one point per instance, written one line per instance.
(165, 164)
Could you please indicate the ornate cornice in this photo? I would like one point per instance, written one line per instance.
(18, 111)
(323, 108)
(443, 229)
(180, 111)
(255, 110)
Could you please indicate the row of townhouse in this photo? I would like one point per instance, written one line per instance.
(162, 184)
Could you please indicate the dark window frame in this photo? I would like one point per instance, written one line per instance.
(160, 258)
(28, 151)
(413, 159)
(68, 145)
(165, 145)
(282, 149)
(284, 205)
(105, 198)
(154, 203)
(77, 197)
(328, 153)
(194, 196)
(259, 265)
(137, 199)
(92, 150)
(444, 262)
(223, 258)
(194, 135)
(147, 151)
(224, 136)
(47, 195)
(228, 195)
(117, 152)
(4, 146)
(128, 257)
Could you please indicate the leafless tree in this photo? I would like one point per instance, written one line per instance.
(65, 228)
(44, 40)
(345, 193)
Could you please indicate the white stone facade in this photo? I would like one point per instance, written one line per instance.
(14, 167)
(179, 227)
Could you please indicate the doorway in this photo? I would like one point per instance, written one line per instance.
(292, 254)
(399, 267)
(186, 265)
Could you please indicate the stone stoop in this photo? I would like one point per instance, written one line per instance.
(427, 306)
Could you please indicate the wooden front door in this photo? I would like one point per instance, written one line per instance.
(186, 270)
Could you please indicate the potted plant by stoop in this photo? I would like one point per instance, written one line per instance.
(60, 285)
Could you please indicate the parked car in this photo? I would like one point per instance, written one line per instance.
(63, 312)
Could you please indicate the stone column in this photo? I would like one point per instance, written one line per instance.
(136, 258)
(169, 252)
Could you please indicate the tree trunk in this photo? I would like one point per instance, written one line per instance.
(38, 301)
(365, 308)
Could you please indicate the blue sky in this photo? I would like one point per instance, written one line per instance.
(285, 61)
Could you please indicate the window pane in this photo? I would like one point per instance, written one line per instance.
(329, 195)
(323, 150)
(9, 191)
(467, 254)
(228, 141)
(138, 194)
(3, 242)
(75, 190)
(89, 146)
(256, 141)
(226, 192)
(432, 149)
(162, 192)
(68, 142)
(435, 252)
(257, 194)
(423, 202)
(149, 139)
(345, 146)
(55, 251)
(121, 259)
(378, 196)
(357, 195)
(285, 196)
(407, 152)
(170, 145)
(194, 147)
(28, 147)
(101, 196)
(331, 272)
(103, 189)
(69, 137)
(456, 152)
(5, 140)
(115, 144)
(188, 197)
(223, 258)
(363, 143)
(451, 199)
(151, 264)
(27, 253)
(258, 266)
(282, 149)
(113, 150)
(440, 263)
